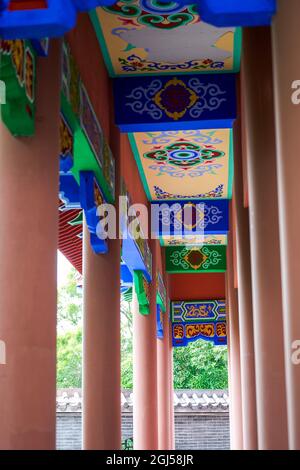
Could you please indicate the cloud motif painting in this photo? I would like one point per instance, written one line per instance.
(137, 37)
(185, 164)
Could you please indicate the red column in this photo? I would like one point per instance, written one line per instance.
(247, 362)
(286, 70)
(28, 246)
(101, 347)
(234, 370)
(257, 91)
(145, 421)
(163, 387)
(171, 391)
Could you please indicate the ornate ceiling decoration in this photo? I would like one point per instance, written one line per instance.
(184, 165)
(138, 36)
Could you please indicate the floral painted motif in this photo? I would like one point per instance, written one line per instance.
(200, 216)
(206, 137)
(134, 63)
(198, 311)
(215, 193)
(184, 154)
(194, 320)
(155, 14)
(195, 259)
(184, 158)
(175, 98)
(193, 240)
(193, 331)
(163, 169)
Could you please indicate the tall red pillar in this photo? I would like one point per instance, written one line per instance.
(164, 390)
(28, 247)
(247, 360)
(171, 392)
(257, 91)
(234, 368)
(101, 347)
(286, 69)
(145, 407)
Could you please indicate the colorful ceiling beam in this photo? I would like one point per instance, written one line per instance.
(164, 103)
(194, 320)
(193, 241)
(190, 219)
(137, 37)
(186, 164)
(41, 18)
(195, 259)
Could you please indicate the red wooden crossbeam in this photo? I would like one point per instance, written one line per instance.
(18, 5)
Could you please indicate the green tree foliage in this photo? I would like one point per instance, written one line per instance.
(200, 365)
(69, 338)
(126, 345)
(69, 359)
(197, 366)
(69, 308)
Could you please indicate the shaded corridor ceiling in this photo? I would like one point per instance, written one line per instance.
(147, 38)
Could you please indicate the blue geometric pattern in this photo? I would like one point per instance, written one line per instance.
(146, 104)
(190, 218)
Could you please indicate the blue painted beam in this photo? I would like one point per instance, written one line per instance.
(194, 218)
(57, 17)
(226, 13)
(162, 103)
(54, 19)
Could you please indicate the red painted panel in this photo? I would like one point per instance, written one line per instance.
(196, 286)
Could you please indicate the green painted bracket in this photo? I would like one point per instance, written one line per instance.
(142, 291)
(18, 72)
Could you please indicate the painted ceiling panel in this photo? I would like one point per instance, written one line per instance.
(195, 241)
(194, 164)
(138, 36)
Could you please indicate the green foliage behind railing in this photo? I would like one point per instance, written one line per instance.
(127, 444)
